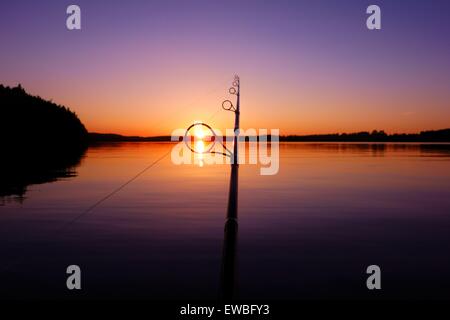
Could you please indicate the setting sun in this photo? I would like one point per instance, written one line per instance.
(199, 133)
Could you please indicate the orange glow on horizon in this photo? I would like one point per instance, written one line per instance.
(176, 104)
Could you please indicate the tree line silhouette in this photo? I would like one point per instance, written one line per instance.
(374, 136)
(365, 136)
(40, 142)
(32, 122)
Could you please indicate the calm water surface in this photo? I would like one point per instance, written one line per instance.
(308, 232)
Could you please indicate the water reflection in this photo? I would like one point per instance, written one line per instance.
(200, 148)
(308, 232)
(375, 149)
(18, 170)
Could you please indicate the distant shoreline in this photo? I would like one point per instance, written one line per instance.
(435, 136)
(40, 124)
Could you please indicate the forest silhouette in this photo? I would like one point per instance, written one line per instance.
(364, 136)
(374, 136)
(40, 140)
(32, 122)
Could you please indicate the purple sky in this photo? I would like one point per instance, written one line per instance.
(149, 67)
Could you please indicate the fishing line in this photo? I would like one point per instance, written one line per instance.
(109, 195)
(113, 192)
(96, 204)
(92, 207)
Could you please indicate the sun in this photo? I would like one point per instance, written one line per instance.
(199, 133)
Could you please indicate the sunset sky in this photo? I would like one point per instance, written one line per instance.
(149, 67)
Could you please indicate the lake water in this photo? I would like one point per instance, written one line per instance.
(308, 232)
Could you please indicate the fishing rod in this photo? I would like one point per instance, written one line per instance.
(228, 278)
